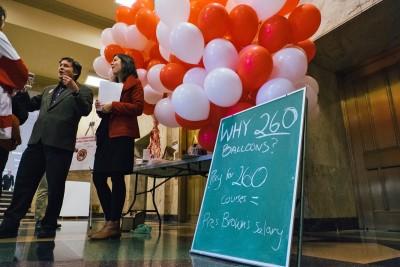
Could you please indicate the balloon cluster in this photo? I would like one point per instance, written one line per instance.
(202, 60)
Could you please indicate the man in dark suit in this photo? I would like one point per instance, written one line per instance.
(50, 148)
(8, 181)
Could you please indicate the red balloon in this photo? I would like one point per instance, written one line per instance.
(136, 56)
(148, 109)
(216, 114)
(288, 7)
(275, 33)
(171, 75)
(111, 50)
(255, 66)
(243, 25)
(308, 47)
(213, 21)
(304, 21)
(191, 125)
(207, 137)
(125, 14)
(237, 108)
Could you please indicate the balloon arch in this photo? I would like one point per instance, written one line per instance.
(202, 60)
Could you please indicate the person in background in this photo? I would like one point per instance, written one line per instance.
(50, 148)
(13, 77)
(8, 181)
(115, 144)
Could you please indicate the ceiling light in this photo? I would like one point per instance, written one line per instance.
(127, 3)
(93, 81)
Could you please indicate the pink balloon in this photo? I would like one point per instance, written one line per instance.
(191, 102)
(142, 73)
(151, 96)
(101, 67)
(274, 88)
(119, 32)
(165, 113)
(107, 37)
(290, 63)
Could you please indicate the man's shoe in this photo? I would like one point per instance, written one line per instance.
(46, 232)
(8, 230)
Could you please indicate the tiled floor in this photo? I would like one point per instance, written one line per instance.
(171, 248)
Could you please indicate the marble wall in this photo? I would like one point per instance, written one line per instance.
(337, 12)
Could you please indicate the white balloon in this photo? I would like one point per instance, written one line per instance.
(220, 53)
(308, 82)
(163, 32)
(312, 90)
(119, 32)
(102, 51)
(289, 63)
(196, 76)
(142, 74)
(151, 96)
(153, 78)
(101, 67)
(265, 9)
(172, 12)
(223, 87)
(164, 52)
(107, 37)
(135, 39)
(187, 42)
(272, 89)
(191, 102)
(164, 112)
(312, 98)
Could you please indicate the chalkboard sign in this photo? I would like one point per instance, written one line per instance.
(248, 207)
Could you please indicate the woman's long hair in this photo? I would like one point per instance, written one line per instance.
(127, 67)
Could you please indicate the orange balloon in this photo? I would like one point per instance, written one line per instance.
(243, 25)
(139, 4)
(304, 20)
(125, 14)
(146, 22)
(154, 52)
(288, 7)
(213, 21)
(136, 56)
(171, 75)
(174, 59)
(254, 67)
(308, 47)
(275, 33)
(111, 50)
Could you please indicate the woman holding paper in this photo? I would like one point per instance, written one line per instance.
(115, 144)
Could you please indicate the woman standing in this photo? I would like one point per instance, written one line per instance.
(115, 144)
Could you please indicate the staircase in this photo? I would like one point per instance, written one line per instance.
(5, 201)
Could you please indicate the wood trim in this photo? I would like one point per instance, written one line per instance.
(70, 12)
(384, 60)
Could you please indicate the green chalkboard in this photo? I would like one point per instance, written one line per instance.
(248, 207)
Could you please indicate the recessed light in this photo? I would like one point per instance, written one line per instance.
(127, 3)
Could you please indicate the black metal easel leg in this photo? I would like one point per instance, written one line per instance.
(302, 175)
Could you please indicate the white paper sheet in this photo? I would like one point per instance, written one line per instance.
(109, 92)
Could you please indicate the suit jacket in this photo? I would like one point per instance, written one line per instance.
(57, 123)
(123, 118)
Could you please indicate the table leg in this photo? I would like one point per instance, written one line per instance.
(153, 193)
